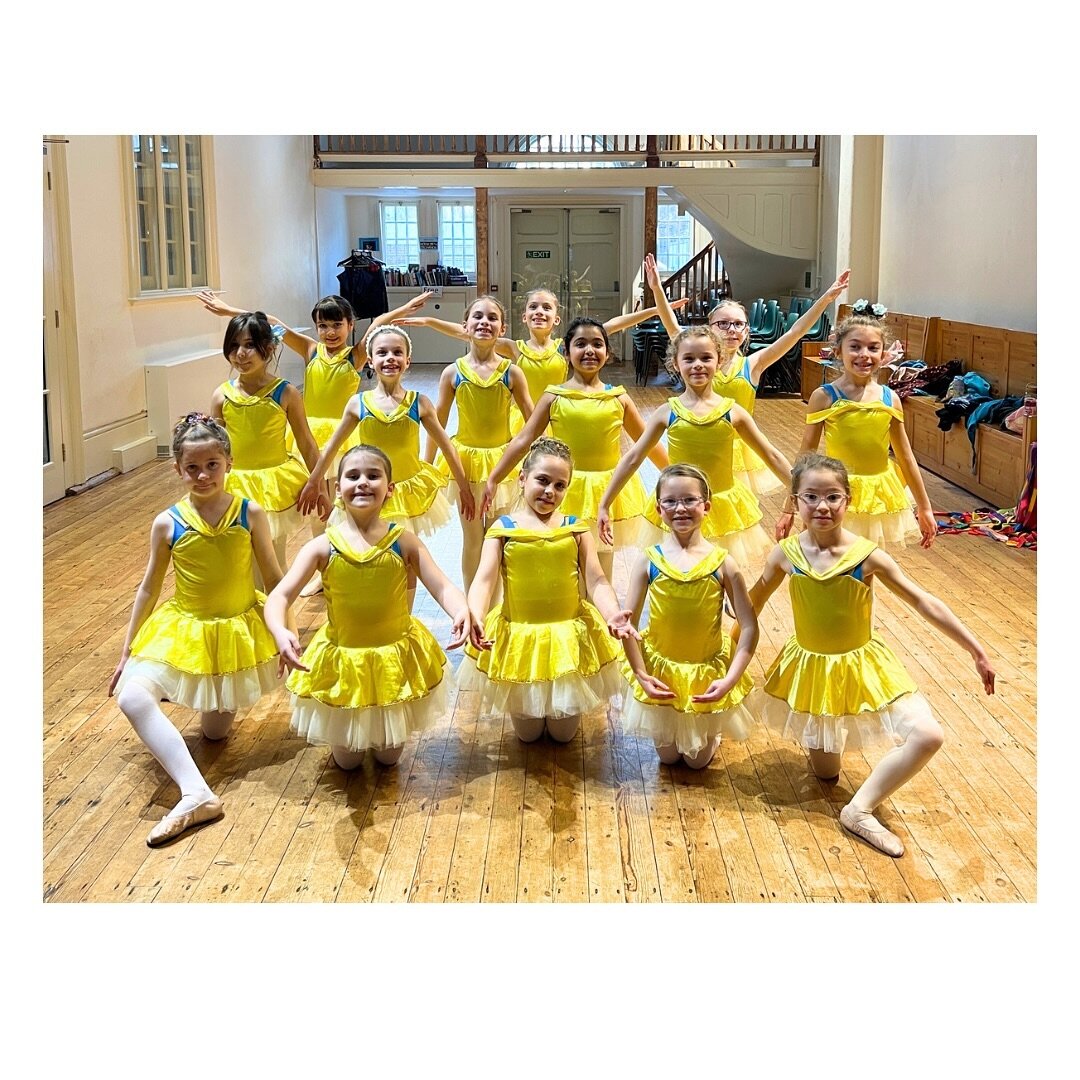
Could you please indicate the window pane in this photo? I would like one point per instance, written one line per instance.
(196, 210)
(674, 237)
(457, 236)
(169, 154)
(146, 219)
(401, 237)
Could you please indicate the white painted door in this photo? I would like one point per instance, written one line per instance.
(54, 450)
(574, 252)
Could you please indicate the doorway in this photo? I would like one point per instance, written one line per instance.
(572, 251)
(54, 442)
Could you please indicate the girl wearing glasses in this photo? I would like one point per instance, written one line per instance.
(686, 689)
(862, 421)
(835, 684)
(737, 375)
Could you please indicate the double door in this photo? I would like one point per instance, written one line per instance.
(571, 251)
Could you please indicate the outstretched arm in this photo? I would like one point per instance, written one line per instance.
(310, 493)
(443, 591)
(503, 346)
(314, 555)
(764, 358)
(933, 610)
(909, 469)
(437, 434)
(629, 463)
(482, 588)
(300, 344)
(634, 426)
(599, 590)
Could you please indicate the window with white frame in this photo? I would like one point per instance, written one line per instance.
(674, 237)
(170, 212)
(400, 234)
(457, 236)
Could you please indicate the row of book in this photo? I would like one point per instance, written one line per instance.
(431, 275)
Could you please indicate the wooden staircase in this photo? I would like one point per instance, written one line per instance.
(703, 280)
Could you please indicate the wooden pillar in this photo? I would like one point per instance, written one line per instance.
(650, 239)
(483, 285)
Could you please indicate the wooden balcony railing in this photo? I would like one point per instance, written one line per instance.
(511, 150)
(703, 280)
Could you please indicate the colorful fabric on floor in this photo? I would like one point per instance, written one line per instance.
(999, 525)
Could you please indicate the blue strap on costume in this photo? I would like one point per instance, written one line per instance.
(179, 526)
(507, 522)
(834, 394)
(364, 411)
(746, 372)
(856, 572)
(276, 393)
(242, 520)
(395, 547)
(414, 409)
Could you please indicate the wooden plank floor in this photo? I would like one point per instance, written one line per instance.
(472, 815)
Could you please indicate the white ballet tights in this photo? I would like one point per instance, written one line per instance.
(899, 765)
(669, 754)
(138, 701)
(216, 725)
(561, 728)
(348, 759)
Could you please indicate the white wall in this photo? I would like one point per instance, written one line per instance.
(266, 256)
(958, 227)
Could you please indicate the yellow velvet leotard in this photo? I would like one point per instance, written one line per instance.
(208, 647)
(483, 428)
(590, 423)
(542, 368)
(707, 441)
(329, 383)
(833, 673)
(551, 653)
(737, 385)
(685, 647)
(263, 469)
(376, 673)
(417, 494)
(857, 433)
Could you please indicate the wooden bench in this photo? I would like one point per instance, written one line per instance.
(1005, 358)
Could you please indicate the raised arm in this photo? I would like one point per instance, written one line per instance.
(401, 314)
(517, 446)
(629, 463)
(300, 344)
(503, 346)
(909, 468)
(146, 596)
(933, 610)
(664, 307)
(437, 434)
(764, 358)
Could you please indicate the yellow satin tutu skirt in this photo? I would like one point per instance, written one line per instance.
(276, 489)
(210, 665)
(479, 462)
(751, 470)
(882, 508)
(543, 669)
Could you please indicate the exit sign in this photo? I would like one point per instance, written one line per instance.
(538, 253)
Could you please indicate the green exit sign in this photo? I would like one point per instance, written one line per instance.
(538, 253)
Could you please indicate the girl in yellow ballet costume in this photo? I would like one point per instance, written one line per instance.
(589, 416)
(737, 375)
(372, 675)
(686, 687)
(258, 410)
(701, 429)
(485, 386)
(862, 419)
(544, 655)
(835, 685)
(390, 417)
(207, 648)
(541, 357)
(332, 367)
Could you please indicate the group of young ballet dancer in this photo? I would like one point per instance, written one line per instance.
(548, 650)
